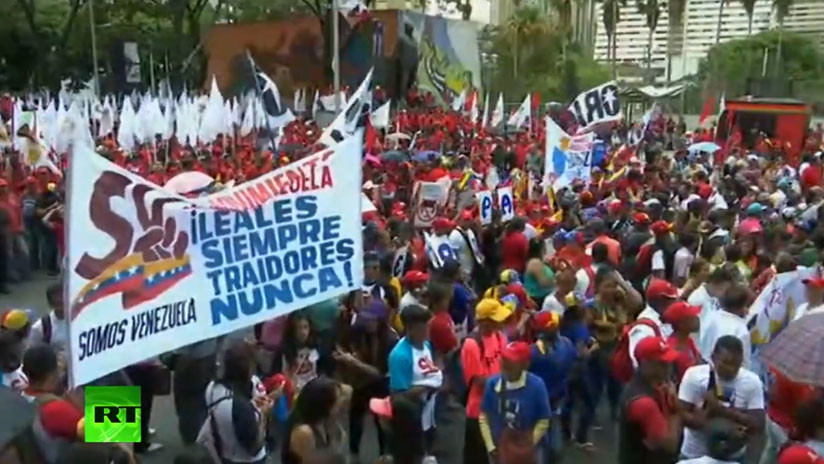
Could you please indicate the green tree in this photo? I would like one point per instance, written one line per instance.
(525, 25)
(782, 9)
(611, 18)
(651, 9)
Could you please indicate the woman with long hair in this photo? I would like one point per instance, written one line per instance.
(238, 408)
(300, 359)
(313, 425)
(539, 280)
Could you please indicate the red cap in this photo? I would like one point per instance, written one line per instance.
(467, 215)
(659, 288)
(799, 454)
(704, 191)
(641, 218)
(518, 290)
(415, 278)
(517, 352)
(381, 407)
(615, 206)
(654, 349)
(816, 282)
(442, 223)
(545, 320)
(679, 311)
(660, 227)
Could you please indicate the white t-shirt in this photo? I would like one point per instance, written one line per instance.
(552, 304)
(305, 368)
(723, 323)
(745, 393)
(708, 303)
(426, 373)
(682, 262)
(465, 256)
(658, 263)
(59, 332)
(16, 380)
(642, 331)
(407, 300)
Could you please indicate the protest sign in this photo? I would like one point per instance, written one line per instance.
(567, 157)
(506, 203)
(431, 197)
(597, 105)
(485, 206)
(438, 249)
(150, 271)
(775, 306)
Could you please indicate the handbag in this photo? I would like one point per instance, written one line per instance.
(515, 446)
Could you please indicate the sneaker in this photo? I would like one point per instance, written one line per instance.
(151, 448)
(588, 446)
(152, 431)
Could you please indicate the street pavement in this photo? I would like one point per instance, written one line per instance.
(448, 444)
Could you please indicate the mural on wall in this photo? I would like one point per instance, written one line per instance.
(448, 55)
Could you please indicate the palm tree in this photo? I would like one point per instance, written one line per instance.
(782, 9)
(651, 9)
(749, 7)
(611, 18)
(676, 9)
(523, 23)
(721, 6)
(563, 8)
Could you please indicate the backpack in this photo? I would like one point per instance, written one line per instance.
(461, 386)
(208, 437)
(46, 325)
(621, 362)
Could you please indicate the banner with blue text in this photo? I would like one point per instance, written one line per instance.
(150, 271)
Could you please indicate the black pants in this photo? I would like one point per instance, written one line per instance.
(141, 376)
(359, 407)
(192, 375)
(474, 446)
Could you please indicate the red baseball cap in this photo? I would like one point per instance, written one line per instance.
(679, 311)
(415, 278)
(704, 191)
(381, 407)
(614, 206)
(517, 352)
(659, 288)
(641, 218)
(660, 227)
(654, 349)
(799, 454)
(442, 223)
(518, 290)
(545, 320)
(816, 282)
(467, 215)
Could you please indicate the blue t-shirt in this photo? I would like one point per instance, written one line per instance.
(577, 332)
(401, 365)
(519, 408)
(553, 365)
(459, 309)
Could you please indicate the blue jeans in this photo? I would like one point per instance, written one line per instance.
(580, 397)
(601, 377)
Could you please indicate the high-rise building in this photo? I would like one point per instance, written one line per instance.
(701, 22)
(483, 11)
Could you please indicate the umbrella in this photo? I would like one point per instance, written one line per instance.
(426, 155)
(394, 155)
(190, 181)
(708, 147)
(398, 136)
(798, 351)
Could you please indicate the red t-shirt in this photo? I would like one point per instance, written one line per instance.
(514, 248)
(476, 366)
(688, 355)
(648, 413)
(59, 418)
(784, 398)
(12, 206)
(442, 333)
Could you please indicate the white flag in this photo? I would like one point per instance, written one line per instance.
(212, 122)
(300, 101)
(498, 114)
(316, 105)
(458, 103)
(380, 117)
(274, 110)
(248, 123)
(522, 115)
(473, 110)
(126, 132)
(597, 105)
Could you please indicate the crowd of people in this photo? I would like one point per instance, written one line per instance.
(621, 301)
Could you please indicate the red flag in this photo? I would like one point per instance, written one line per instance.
(706, 110)
(536, 101)
(371, 138)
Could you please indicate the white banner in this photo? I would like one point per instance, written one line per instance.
(485, 206)
(568, 158)
(506, 203)
(597, 105)
(150, 271)
(432, 197)
(775, 306)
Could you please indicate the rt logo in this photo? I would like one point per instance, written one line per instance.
(112, 415)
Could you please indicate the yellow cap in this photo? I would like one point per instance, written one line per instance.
(15, 319)
(489, 308)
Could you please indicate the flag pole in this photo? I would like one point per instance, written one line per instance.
(336, 54)
(258, 92)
